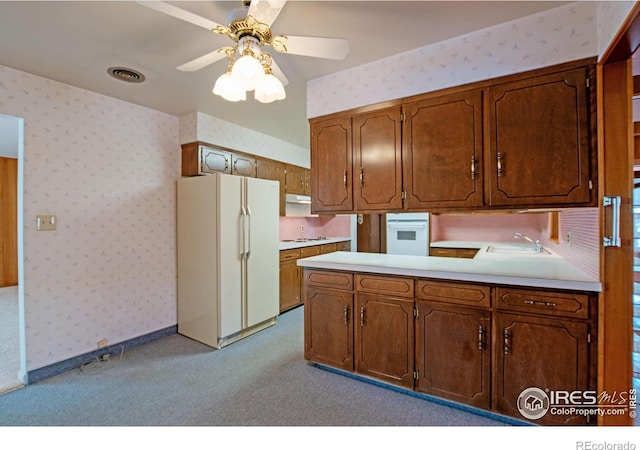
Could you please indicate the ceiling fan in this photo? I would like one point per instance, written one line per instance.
(249, 27)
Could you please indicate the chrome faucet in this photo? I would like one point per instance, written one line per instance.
(536, 243)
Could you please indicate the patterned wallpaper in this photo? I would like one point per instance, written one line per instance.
(551, 37)
(107, 169)
(610, 14)
(198, 126)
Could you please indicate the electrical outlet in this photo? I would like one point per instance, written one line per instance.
(569, 241)
(102, 343)
(46, 222)
(301, 227)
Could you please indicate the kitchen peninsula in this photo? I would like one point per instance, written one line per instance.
(476, 331)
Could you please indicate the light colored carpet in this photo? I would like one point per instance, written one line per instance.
(262, 380)
(9, 338)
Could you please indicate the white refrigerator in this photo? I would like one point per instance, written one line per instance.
(228, 257)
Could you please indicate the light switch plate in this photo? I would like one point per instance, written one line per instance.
(46, 222)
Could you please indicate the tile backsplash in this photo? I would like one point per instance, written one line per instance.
(311, 227)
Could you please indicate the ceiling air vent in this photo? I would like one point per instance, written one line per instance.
(124, 74)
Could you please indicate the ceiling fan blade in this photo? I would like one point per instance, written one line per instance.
(278, 73)
(203, 61)
(266, 11)
(318, 47)
(180, 13)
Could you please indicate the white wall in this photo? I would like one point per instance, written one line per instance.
(551, 37)
(198, 126)
(107, 168)
(9, 131)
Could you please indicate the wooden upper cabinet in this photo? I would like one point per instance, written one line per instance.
(331, 160)
(539, 137)
(243, 165)
(213, 160)
(443, 152)
(377, 160)
(297, 180)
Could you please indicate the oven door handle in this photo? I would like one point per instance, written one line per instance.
(406, 226)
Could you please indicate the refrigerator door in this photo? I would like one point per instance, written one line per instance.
(262, 249)
(230, 254)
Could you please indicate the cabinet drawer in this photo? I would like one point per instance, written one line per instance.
(457, 293)
(328, 248)
(396, 286)
(453, 252)
(344, 246)
(309, 251)
(566, 304)
(288, 255)
(329, 279)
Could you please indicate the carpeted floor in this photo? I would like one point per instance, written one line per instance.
(261, 380)
(9, 338)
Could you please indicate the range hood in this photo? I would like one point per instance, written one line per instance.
(298, 199)
(298, 206)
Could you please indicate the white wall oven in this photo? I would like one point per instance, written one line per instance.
(408, 234)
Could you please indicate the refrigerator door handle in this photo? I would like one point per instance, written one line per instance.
(243, 214)
(248, 228)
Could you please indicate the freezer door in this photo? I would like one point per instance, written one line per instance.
(230, 256)
(262, 249)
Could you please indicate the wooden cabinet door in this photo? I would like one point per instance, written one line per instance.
(295, 180)
(290, 284)
(273, 170)
(328, 327)
(539, 141)
(213, 160)
(331, 162)
(442, 148)
(243, 165)
(454, 353)
(549, 354)
(384, 338)
(377, 160)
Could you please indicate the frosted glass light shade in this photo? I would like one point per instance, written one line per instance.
(228, 88)
(248, 71)
(269, 90)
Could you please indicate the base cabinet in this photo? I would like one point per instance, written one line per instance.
(384, 338)
(454, 353)
(471, 343)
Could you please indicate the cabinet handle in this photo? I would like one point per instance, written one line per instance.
(506, 343)
(345, 178)
(473, 167)
(500, 157)
(613, 240)
(539, 303)
(346, 314)
(480, 337)
(361, 176)
(362, 316)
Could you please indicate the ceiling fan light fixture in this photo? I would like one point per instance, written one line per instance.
(248, 71)
(229, 89)
(270, 89)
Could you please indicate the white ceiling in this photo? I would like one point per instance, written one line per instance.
(76, 42)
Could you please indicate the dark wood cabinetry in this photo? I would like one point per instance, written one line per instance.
(443, 152)
(471, 343)
(328, 331)
(539, 138)
(454, 353)
(298, 180)
(331, 165)
(521, 141)
(377, 160)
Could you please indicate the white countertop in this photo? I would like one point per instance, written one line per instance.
(287, 245)
(535, 270)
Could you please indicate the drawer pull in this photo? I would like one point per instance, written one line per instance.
(480, 337)
(506, 343)
(346, 314)
(539, 303)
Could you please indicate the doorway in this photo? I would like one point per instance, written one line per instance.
(12, 347)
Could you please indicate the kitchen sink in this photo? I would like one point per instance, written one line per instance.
(516, 250)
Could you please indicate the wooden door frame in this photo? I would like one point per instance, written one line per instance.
(615, 157)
